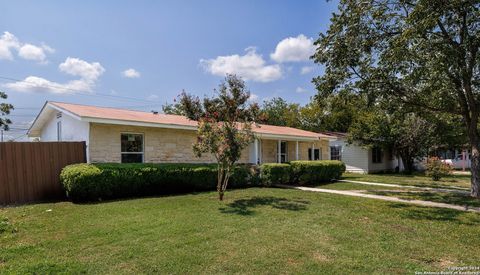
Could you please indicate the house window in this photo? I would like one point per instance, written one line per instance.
(336, 152)
(59, 131)
(377, 155)
(132, 148)
(314, 154)
(283, 151)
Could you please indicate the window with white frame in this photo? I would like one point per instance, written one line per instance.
(336, 152)
(132, 147)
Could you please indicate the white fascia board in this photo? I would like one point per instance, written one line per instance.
(285, 137)
(175, 126)
(330, 138)
(64, 111)
(137, 123)
(34, 133)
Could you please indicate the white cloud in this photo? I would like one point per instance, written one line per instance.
(294, 49)
(32, 52)
(9, 43)
(152, 97)
(253, 98)
(301, 90)
(131, 73)
(250, 66)
(78, 67)
(307, 70)
(88, 73)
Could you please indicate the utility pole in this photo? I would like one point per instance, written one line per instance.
(1, 139)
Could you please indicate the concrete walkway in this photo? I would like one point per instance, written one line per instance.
(385, 198)
(452, 189)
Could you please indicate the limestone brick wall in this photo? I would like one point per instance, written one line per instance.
(160, 145)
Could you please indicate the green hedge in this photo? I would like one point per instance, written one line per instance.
(91, 182)
(314, 172)
(275, 173)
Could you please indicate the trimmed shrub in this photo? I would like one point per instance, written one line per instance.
(91, 182)
(275, 173)
(436, 168)
(314, 172)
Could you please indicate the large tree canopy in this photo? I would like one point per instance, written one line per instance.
(423, 54)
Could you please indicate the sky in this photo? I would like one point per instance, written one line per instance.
(142, 54)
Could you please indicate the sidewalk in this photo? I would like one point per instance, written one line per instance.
(385, 198)
(453, 189)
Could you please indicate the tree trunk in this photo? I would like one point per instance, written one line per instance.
(475, 159)
(475, 170)
(408, 162)
(220, 179)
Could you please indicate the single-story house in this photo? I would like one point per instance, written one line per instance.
(119, 135)
(359, 159)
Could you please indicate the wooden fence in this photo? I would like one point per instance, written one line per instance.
(29, 171)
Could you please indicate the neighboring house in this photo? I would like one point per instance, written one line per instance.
(118, 135)
(359, 159)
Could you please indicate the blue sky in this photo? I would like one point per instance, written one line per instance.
(151, 50)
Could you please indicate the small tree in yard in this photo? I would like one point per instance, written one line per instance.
(224, 125)
(436, 169)
(5, 109)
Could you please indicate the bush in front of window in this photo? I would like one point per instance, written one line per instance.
(314, 172)
(93, 182)
(275, 173)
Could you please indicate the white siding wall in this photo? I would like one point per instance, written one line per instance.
(387, 162)
(72, 130)
(359, 160)
(354, 157)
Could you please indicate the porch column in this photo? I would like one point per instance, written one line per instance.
(279, 149)
(313, 151)
(296, 150)
(255, 143)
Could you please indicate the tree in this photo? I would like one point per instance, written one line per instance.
(279, 112)
(421, 53)
(173, 109)
(224, 125)
(5, 109)
(407, 135)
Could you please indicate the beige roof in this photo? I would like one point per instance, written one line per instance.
(91, 113)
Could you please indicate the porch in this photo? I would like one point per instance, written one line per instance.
(265, 150)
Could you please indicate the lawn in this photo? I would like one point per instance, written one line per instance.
(463, 199)
(257, 230)
(416, 179)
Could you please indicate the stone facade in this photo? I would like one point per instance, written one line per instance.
(163, 145)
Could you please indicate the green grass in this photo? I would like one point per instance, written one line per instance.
(451, 198)
(260, 231)
(416, 179)
(339, 185)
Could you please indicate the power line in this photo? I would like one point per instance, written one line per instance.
(77, 92)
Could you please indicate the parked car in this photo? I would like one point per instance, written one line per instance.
(458, 162)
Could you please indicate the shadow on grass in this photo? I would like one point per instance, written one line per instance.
(437, 214)
(463, 199)
(244, 206)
